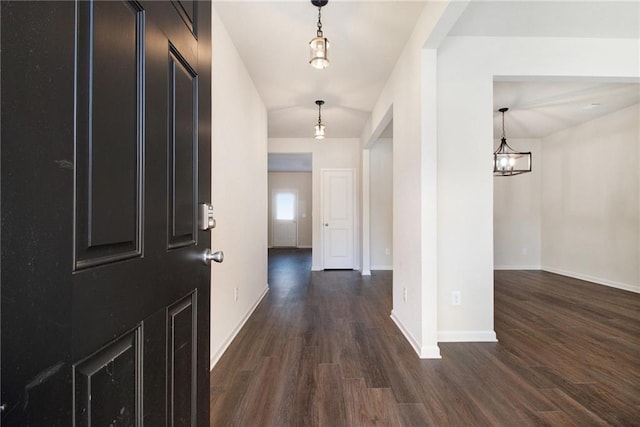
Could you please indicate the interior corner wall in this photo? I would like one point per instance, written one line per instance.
(517, 213)
(381, 204)
(591, 200)
(301, 183)
(239, 192)
(414, 181)
(327, 153)
(467, 67)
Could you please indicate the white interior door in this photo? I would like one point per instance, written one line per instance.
(285, 226)
(338, 213)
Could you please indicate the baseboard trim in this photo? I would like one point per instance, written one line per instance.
(304, 247)
(216, 357)
(315, 268)
(365, 272)
(382, 267)
(517, 267)
(592, 279)
(467, 336)
(430, 352)
(423, 351)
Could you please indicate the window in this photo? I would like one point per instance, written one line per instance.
(285, 206)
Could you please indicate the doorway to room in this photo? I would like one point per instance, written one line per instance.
(377, 200)
(381, 201)
(290, 200)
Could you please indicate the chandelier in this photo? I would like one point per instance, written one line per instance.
(506, 160)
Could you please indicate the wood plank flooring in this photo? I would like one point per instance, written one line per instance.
(321, 350)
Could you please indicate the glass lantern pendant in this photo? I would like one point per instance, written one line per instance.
(319, 128)
(319, 45)
(506, 160)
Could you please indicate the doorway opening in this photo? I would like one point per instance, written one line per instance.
(290, 200)
(377, 199)
(381, 201)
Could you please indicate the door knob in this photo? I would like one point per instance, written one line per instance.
(209, 256)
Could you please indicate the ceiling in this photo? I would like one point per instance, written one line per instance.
(544, 18)
(540, 108)
(367, 36)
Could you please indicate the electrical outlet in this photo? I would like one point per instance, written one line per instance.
(404, 295)
(235, 294)
(456, 298)
(524, 251)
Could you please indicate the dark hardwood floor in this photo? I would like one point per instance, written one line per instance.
(321, 350)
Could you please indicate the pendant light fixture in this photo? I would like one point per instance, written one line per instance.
(506, 160)
(319, 128)
(319, 44)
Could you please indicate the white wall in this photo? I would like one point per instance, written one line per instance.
(466, 70)
(410, 93)
(517, 213)
(381, 204)
(301, 183)
(443, 140)
(327, 153)
(239, 192)
(591, 200)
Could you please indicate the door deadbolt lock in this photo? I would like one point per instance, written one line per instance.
(206, 221)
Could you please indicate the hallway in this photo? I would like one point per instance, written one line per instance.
(321, 350)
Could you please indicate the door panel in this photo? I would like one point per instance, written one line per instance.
(182, 338)
(105, 156)
(109, 176)
(338, 239)
(338, 213)
(108, 384)
(183, 190)
(189, 13)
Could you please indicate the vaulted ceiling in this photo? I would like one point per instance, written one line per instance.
(367, 37)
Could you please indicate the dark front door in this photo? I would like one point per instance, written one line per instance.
(105, 139)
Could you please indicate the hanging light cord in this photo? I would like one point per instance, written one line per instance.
(319, 114)
(503, 135)
(319, 33)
